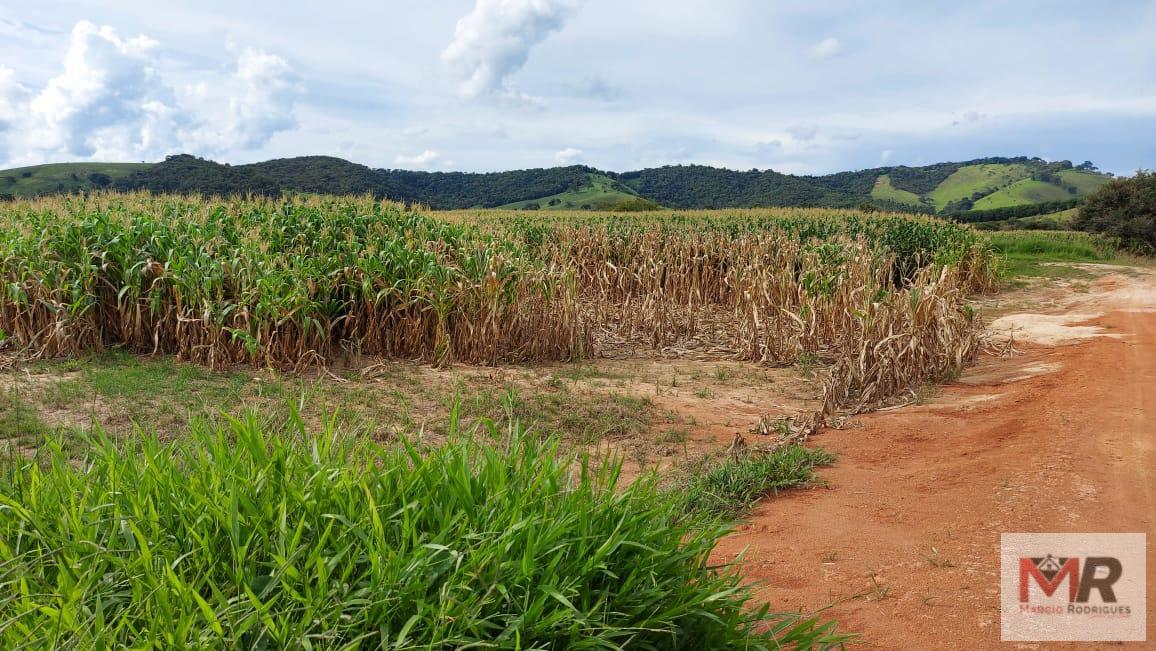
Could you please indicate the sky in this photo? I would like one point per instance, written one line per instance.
(484, 85)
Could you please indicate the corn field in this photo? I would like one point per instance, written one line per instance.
(223, 282)
(880, 299)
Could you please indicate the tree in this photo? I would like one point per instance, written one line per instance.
(1123, 208)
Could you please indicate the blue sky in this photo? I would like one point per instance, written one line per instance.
(483, 85)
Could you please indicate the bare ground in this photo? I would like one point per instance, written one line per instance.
(652, 413)
(903, 542)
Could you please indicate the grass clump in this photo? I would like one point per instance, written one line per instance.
(1027, 253)
(729, 488)
(237, 537)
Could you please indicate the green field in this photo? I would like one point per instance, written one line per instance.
(61, 177)
(967, 181)
(603, 193)
(884, 191)
(1033, 253)
(1026, 191)
(1085, 182)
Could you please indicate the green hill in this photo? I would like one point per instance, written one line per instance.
(64, 177)
(602, 193)
(1085, 182)
(973, 180)
(1023, 192)
(884, 191)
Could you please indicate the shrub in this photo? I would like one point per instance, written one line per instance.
(1126, 209)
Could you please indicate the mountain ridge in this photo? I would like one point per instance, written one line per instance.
(948, 188)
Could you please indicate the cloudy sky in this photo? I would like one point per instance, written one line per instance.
(499, 84)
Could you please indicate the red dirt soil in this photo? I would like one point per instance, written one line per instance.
(904, 539)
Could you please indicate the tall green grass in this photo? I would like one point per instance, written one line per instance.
(1054, 245)
(1027, 253)
(240, 538)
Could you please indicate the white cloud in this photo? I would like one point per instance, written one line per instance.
(494, 41)
(424, 159)
(262, 94)
(826, 48)
(109, 102)
(568, 156)
(886, 155)
(112, 102)
(264, 107)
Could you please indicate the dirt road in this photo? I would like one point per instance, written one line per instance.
(904, 540)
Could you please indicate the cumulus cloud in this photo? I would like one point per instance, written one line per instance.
(424, 159)
(826, 48)
(263, 92)
(109, 101)
(112, 102)
(568, 156)
(265, 105)
(493, 41)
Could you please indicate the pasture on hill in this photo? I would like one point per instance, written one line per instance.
(64, 178)
(969, 180)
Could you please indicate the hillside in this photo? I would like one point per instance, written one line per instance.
(971, 188)
(885, 191)
(602, 193)
(971, 180)
(64, 177)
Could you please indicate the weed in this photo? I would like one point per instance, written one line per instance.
(730, 486)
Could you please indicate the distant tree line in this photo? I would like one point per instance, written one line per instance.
(1014, 212)
(677, 186)
(699, 186)
(324, 174)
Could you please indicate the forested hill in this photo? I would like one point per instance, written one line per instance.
(989, 184)
(324, 174)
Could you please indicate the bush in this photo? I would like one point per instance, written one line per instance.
(1126, 209)
(238, 538)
